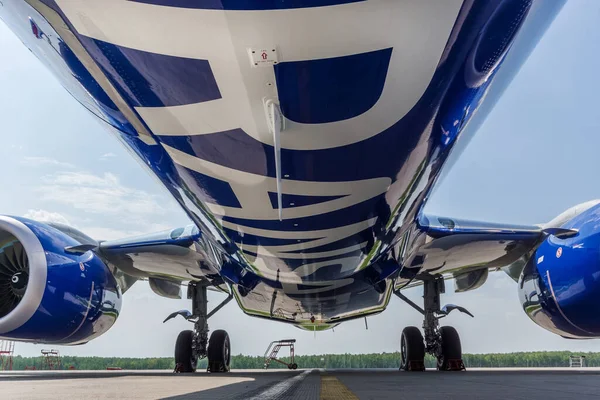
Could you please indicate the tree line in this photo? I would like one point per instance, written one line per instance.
(375, 360)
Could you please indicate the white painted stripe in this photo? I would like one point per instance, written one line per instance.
(279, 389)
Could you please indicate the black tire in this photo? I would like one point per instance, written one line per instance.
(294, 366)
(184, 357)
(219, 352)
(412, 348)
(451, 347)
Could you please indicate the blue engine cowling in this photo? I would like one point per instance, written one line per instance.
(560, 285)
(48, 294)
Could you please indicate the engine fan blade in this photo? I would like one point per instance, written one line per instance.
(9, 251)
(4, 270)
(13, 265)
(22, 256)
(6, 265)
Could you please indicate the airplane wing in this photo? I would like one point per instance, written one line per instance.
(467, 250)
(165, 258)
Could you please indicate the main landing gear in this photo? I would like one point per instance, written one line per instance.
(441, 342)
(193, 345)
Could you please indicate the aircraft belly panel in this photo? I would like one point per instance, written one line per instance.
(321, 305)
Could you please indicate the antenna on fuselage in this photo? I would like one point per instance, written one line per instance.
(275, 120)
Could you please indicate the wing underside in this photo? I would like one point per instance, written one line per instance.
(466, 250)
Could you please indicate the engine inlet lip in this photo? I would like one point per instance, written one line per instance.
(37, 275)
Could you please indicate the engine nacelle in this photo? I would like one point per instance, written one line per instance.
(48, 294)
(560, 284)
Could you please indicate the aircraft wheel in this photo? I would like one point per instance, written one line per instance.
(451, 349)
(412, 350)
(219, 352)
(185, 361)
(294, 366)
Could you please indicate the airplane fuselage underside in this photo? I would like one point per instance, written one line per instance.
(301, 137)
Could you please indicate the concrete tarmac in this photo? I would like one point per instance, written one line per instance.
(547, 384)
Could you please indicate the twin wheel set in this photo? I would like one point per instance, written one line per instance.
(413, 349)
(441, 342)
(194, 345)
(218, 352)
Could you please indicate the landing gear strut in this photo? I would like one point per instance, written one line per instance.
(194, 345)
(441, 342)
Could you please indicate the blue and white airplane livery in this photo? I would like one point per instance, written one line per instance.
(302, 138)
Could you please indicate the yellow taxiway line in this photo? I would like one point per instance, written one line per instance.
(333, 389)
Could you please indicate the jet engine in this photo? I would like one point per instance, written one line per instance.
(560, 284)
(52, 289)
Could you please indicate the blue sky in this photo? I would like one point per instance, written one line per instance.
(535, 156)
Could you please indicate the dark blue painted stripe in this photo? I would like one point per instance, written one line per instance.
(154, 80)
(296, 200)
(252, 240)
(110, 111)
(207, 188)
(246, 4)
(364, 236)
(331, 89)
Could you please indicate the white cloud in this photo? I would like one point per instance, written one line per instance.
(95, 231)
(46, 216)
(98, 194)
(102, 233)
(45, 161)
(107, 156)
